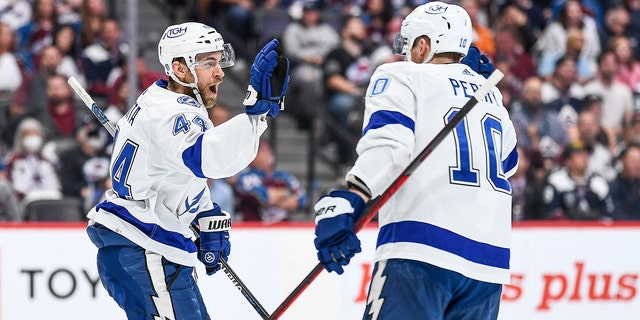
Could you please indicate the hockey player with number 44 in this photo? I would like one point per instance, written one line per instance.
(165, 149)
(443, 244)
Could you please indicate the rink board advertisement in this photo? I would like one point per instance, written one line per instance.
(559, 272)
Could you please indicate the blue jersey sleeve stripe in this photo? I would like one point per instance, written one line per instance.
(511, 161)
(382, 118)
(192, 158)
(446, 240)
(153, 231)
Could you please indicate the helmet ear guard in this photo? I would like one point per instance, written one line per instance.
(447, 26)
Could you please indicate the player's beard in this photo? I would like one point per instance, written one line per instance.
(209, 98)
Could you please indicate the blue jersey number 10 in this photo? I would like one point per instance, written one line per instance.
(464, 172)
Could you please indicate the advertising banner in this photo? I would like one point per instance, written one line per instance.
(558, 272)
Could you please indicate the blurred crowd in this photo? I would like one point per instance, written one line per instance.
(572, 87)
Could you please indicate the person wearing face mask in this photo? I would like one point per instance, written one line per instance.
(32, 176)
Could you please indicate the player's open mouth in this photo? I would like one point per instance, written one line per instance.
(214, 89)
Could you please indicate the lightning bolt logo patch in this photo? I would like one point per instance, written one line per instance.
(192, 206)
(374, 300)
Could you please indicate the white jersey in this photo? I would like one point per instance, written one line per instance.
(165, 149)
(455, 210)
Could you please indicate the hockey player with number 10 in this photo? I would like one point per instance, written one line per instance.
(165, 149)
(443, 245)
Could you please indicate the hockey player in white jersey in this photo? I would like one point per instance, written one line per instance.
(165, 149)
(443, 245)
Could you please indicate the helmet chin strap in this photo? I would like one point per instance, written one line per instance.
(193, 86)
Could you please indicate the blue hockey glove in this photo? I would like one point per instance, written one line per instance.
(336, 240)
(269, 81)
(214, 238)
(480, 63)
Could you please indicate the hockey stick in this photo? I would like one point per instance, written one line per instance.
(88, 101)
(375, 204)
(97, 112)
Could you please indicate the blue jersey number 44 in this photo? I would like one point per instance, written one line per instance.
(121, 169)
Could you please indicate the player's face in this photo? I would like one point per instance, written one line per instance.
(210, 75)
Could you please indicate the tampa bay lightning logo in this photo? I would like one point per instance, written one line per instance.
(192, 206)
(437, 8)
(209, 257)
(188, 101)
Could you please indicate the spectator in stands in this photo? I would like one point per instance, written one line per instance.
(66, 41)
(533, 121)
(118, 100)
(562, 92)
(88, 151)
(482, 34)
(625, 189)
(234, 19)
(383, 51)
(572, 193)
(15, 13)
(616, 22)
(346, 72)
(376, 14)
(593, 103)
(585, 67)
(629, 66)
(146, 77)
(526, 187)
(512, 16)
(100, 58)
(32, 176)
(631, 133)
(69, 12)
(31, 97)
(9, 208)
(64, 115)
(266, 194)
(11, 73)
(617, 98)
(595, 141)
(93, 15)
(519, 62)
(37, 34)
(554, 37)
(306, 43)
(633, 29)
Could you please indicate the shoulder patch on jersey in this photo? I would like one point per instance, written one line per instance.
(380, 85)
(188, 101)
(466, 72)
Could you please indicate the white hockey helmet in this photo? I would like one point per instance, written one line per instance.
(448, 27)
(187, 40)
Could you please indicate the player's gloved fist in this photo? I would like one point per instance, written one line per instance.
(480, 63)
(336, 240)
(214, 238)
(269, 81)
